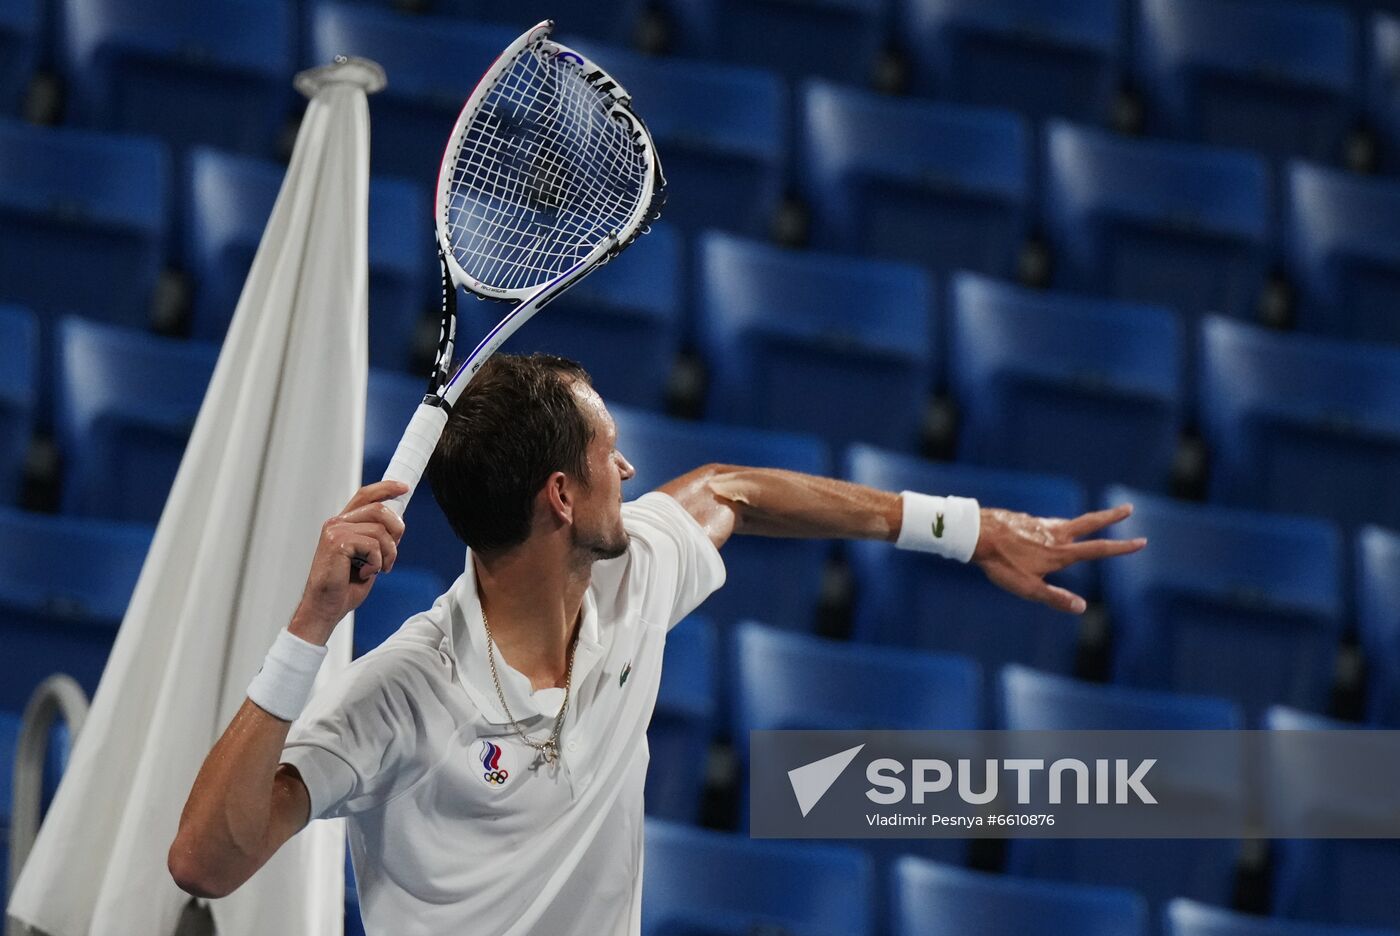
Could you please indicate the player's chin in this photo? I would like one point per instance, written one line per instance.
(613, 546)
(604, 545)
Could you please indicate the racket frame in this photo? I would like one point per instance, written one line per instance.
(533, 298)
(420, 438)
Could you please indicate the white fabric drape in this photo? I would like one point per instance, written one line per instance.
(276, 450)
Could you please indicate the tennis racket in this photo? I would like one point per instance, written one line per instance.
(547, 175)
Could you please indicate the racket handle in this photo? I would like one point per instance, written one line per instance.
(415, 448)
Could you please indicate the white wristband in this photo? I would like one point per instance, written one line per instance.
(947, 526)
(284, 683)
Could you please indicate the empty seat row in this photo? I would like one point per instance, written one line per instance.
(1200, 610)
(701, 880)
(118, 229)
(943, 692)
(1162, 223)
(1044, 381)
(1287, 78)
(1049, 381)
(1242, 625)
(217, 76)
(773, 691)
(1260, 630)
(72, 197)
(66, 586)
(121, 433)
(951, 186)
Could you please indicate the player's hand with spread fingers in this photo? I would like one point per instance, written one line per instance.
(355, 546)
(1017, 551)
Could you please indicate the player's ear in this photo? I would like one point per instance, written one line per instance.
(559, 497)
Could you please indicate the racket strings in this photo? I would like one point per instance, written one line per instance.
(553, 185)
(544, 174)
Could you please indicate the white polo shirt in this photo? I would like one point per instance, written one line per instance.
(452, 830)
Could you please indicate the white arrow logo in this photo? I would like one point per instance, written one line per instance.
(811, 781)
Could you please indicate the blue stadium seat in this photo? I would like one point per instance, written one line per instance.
(777, 580)
(1042, 57)
(1189, 918)
(837, 39)
(1050, 381)
(805, 341)
(1378, 620)
(1159, 869)
(622, 322)
(433, 62)
(1339, 880)
(699, 882)
(19, 395)
(938, 900)
(20, 42)
(65, 590)
(1383, 84)
(394, 599)
(82, 217)
(1300, 424)
(608, 21)
(684, 721)
(230, 200)
(1034, 701)
(1276, 76)
(861, 687)
(721, 131)
(428, 541)
(1174, 224)
(912, 599)
(1234, 603)
(1342, 242)
(190, 73)
(125, 406)
(943, 185)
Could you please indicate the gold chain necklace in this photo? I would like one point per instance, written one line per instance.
(548, 749)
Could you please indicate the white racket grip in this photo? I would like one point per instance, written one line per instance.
(415, 448)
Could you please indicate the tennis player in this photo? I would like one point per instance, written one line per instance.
(490, 756)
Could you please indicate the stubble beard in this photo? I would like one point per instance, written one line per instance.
(601, 548)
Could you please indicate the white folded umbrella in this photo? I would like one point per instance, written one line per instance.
(276, 450)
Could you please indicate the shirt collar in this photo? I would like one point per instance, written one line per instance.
(464, 638)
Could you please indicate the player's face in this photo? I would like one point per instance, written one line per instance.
(598, 519)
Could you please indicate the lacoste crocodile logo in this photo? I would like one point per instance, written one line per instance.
(626, 671)
(938, 527)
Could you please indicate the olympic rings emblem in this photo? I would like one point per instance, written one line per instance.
(496, 776)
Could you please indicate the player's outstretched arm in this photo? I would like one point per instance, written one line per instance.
(243, 807)
(1015, 550)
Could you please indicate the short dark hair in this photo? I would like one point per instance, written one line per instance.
(517, 423)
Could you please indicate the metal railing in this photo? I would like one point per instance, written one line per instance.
(58, 696)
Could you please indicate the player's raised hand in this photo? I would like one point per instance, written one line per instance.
(1017, 551)
(355, 546)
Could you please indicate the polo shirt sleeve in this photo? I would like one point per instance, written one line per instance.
(673, 563)
(357, 742)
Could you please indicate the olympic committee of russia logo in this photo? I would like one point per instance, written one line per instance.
(493, 771)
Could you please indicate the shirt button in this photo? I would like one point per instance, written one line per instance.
(573, 745)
